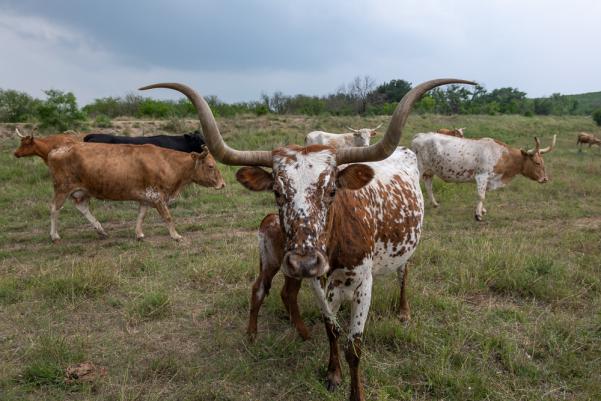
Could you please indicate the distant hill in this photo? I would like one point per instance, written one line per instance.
(587, 102)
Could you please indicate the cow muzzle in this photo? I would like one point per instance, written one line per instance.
(304, 266)
(543, 180)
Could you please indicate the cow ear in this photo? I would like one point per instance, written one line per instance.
(373, 133)
(354, 176)
(199, 156)
(255, 178)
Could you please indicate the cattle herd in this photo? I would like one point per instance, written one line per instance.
(346, 210)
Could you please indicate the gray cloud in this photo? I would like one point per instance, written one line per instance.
(236, 49)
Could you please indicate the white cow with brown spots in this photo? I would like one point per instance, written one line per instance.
(339, 221)
(491, 163)
(359, 137)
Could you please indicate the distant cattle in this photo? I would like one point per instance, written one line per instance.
(192, 142)
(458, 132)
(150, 175)
(359, 137)
(41, 146)
(585, 137)
(492, 164)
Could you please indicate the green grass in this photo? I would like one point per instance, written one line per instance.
(507, 309)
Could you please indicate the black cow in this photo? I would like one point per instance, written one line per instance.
(191, 142)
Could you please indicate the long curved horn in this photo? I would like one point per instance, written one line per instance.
(213, 138)
(377, 127)
(352, 129)
(549, 148)
(388, 144)
(19, 134)
(536, 148)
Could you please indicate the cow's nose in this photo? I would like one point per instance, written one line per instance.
(310, 265)
(543, 180)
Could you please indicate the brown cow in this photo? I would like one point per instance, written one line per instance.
(36, 146)
(341, 223)
(585, 137)
(148, 174)
(458, 132)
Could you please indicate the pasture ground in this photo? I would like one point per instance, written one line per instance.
(507, 309)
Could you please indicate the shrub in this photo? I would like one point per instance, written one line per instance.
(16, 106)
(597, 116)
(59, 111)
(103, 121)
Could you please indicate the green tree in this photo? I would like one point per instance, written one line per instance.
(394, 90)
(16, 106)
(597, 116)
(59, 111)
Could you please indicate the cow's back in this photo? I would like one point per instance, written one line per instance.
(455, 159)
(382, 221)
(115, 171)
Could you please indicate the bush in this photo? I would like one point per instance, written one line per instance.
(597, 116)
(16, 106)
(59, 111)
(103, 121)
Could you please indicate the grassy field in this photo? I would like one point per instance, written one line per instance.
(507, 309)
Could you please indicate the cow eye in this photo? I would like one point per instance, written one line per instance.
(332, 192)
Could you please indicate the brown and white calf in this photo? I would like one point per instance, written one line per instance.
(147, 174)
(585, 137)
(458, 132)
(359, 137)
(40, 146)
(491, 163)
(345, 223)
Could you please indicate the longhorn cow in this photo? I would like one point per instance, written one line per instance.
(358, 137)
(340, 220)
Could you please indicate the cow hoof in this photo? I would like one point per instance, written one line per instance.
(404, 317)
(251, 337)
(177, 238)
(103, 235)
(56, 240)
(331, 385)
(478, 217)
(435, 205)
(140, 237)
(304, 333)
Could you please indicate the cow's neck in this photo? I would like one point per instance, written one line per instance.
(42, 148)
(510, 164)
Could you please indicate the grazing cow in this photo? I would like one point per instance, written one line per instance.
(150, 175)
(458, 132)
(585, 137)
(491, 163)
(359, 137)
(36, 146)
(344, 223)
(192, 142)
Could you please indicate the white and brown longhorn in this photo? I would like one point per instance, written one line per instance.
(343, 222)
(491, 163)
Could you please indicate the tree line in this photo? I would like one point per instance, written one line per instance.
(360, 97)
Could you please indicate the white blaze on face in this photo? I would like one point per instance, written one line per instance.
(302, 179)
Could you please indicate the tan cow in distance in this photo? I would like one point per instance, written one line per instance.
(458, 132)
(585, 137)
(358, 137)
(148, 174)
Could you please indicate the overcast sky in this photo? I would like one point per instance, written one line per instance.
(236, 49)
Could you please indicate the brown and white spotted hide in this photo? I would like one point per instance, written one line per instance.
(359, 138)
(342, 223)
(491, 163)
(147, 174)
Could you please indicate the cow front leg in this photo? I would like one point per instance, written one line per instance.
(164, 212)
(289, 296)
(329, 302)
(404, 311)
(428, 185)
(83, 205)
(141, 215)
(55, 207)
(481, 184)
(359, 311)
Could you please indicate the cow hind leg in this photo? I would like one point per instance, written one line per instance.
(290, 298)
(260, 290)
(55, 207)
(166, 215)
(403, 310)
(141, 215)
(481, 183)
(428, 185)
(83, 205)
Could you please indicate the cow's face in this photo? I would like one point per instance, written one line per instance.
(205, 171)
(362, 136)
(534, 167)
(27, 147)
(304, 182)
